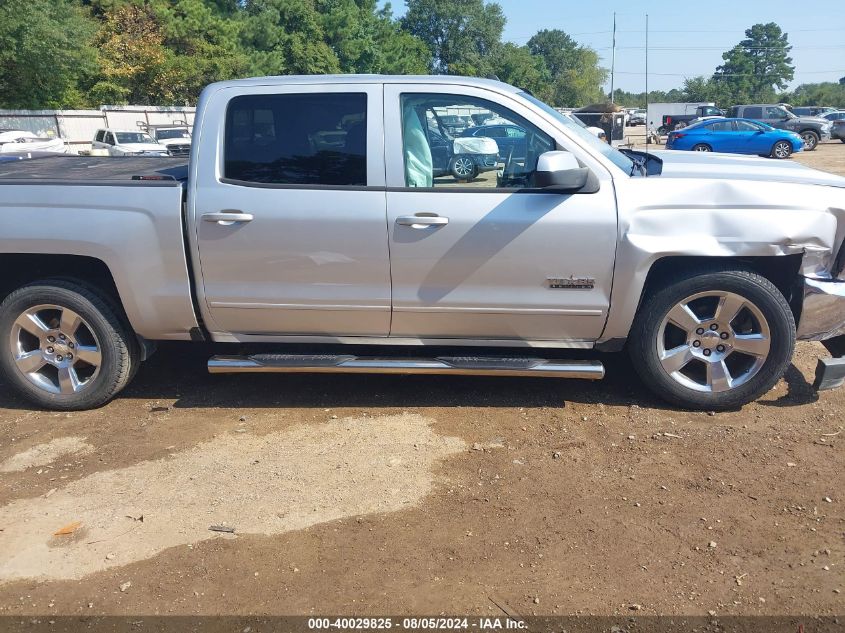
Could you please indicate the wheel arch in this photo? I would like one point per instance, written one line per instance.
(20, 269)
(783, 271)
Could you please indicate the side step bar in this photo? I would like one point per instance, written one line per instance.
(466, 365)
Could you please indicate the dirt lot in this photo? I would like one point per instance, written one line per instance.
(425, 495)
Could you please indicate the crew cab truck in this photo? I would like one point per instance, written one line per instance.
(309, 215)
(680, 121)
(657, 114)
(810, 128)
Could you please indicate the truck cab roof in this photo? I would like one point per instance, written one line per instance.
(494, 84)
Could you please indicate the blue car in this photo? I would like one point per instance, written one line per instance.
(507, 136)
(736, 136)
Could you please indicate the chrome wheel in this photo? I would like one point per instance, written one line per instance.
(782, 149)
(810, 141)
(702, 148)
(463, 167)
(55, 349)
(713, 341)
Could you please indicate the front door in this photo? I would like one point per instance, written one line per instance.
(485, 259)
(291, 225)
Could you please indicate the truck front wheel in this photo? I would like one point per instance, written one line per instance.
(811, 140)
(463, 168)
(713, 340)
(64, 346)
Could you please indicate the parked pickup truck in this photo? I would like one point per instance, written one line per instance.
(309, 215)
(673, 122)
(812, 129)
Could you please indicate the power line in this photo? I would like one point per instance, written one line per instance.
(720, 48)
(809, 72)
(682, 31)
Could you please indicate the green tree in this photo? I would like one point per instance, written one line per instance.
(699, 89)
(202, 44)
(284, 37)
(367, 40)
(516, 65)
(132, 58)
(827, 93)
(400, 52)
(576, 75)
(462, 36)
(756, 67)
(45, 52)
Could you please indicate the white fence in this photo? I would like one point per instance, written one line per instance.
(77, 127)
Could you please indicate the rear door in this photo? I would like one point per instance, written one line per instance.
(722, 136)
(289, 211)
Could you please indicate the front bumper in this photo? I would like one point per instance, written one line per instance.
(486, 162)
(823, 319)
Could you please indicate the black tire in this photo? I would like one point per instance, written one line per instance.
(781, 150)
(463, 168)
(811, 140)
(116, 343)
(644, 341)
(702, 147)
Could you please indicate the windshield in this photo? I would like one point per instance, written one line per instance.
(618, 158)
(175, 133)
(133, 137)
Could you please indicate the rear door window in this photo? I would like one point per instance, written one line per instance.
(297, 139)
(721, 126)
(753, 112)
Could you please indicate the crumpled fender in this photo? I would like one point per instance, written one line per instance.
(719, 218)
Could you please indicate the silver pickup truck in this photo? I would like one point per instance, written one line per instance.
(310, 215)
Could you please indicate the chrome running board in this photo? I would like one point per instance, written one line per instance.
(463, 365)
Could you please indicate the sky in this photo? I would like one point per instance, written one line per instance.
(686, 38)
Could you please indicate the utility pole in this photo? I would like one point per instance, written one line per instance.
(647, 122)
(613, 61)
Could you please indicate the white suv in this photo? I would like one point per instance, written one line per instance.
(127, 143)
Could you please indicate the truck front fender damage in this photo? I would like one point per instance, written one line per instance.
(736, 221)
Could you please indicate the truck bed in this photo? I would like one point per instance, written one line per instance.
(91, 170)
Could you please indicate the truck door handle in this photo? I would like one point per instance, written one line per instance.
(227, 218)
(422, 220)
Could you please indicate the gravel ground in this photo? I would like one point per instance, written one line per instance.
(425, 495)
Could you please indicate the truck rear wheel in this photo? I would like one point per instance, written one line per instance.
(713, 340)
(64, 346)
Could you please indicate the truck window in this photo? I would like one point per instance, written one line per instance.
(297, 139)
(775, 113)
(753, 112)
(100, 135)
(486, 157)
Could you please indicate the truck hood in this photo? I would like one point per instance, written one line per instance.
(734, 167)
(811, 120)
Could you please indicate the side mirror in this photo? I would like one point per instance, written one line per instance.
(560, 171)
